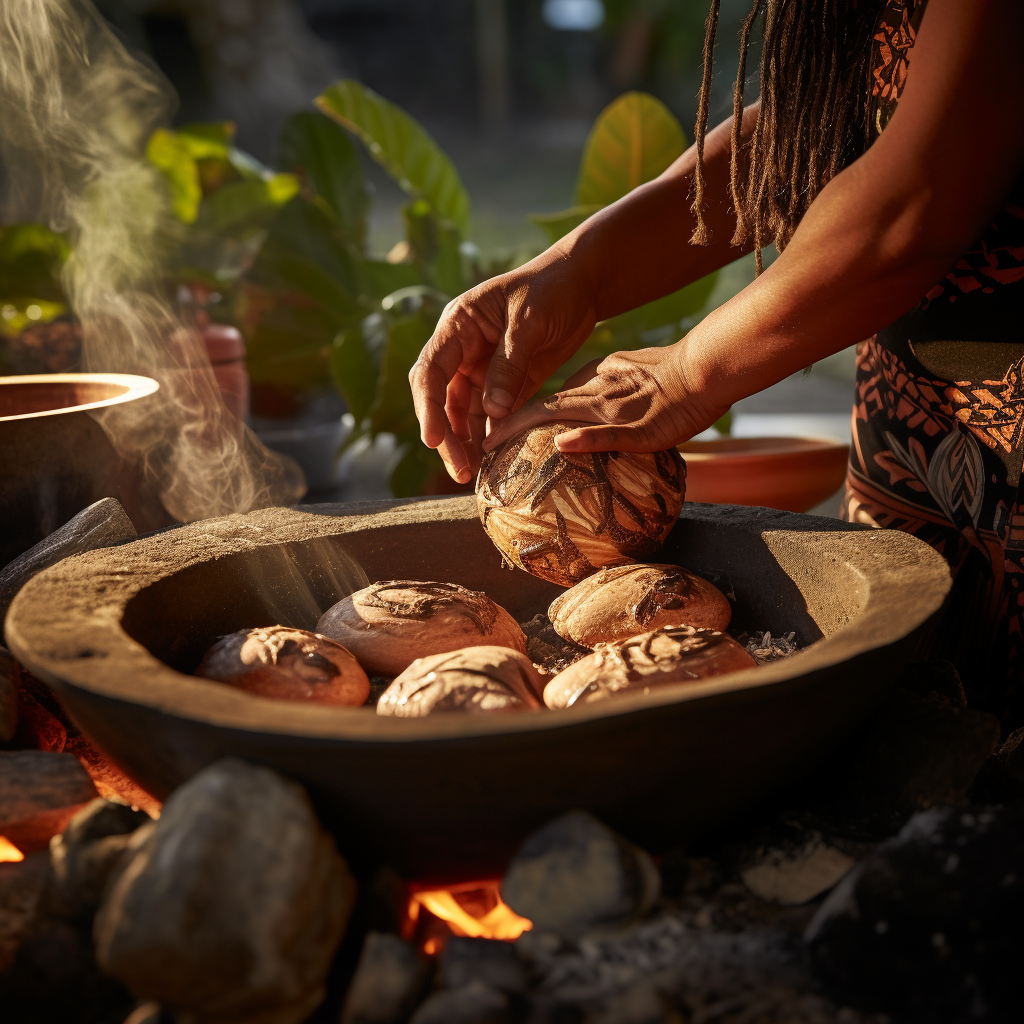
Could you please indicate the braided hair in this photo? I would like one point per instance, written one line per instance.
(813, 120)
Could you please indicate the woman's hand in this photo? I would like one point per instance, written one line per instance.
(492, 349)
(642, 401)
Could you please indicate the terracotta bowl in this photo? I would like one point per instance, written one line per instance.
(117, 632)
(56, 458)
(789, 473)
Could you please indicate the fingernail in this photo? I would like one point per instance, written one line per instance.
(501, 399)
(564, 442)
(463, 476)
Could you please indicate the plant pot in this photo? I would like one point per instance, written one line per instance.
(789, 473)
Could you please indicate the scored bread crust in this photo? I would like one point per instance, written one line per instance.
(390, 624)
(474, 680)
(672, 654)
(623, 601)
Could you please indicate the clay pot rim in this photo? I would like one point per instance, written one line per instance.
(757, 448)
(135, 387)
(40, 628)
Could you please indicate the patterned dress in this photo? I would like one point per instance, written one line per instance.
(937, 424)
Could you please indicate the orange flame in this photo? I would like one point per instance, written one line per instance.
(474, 909)
(9, 853)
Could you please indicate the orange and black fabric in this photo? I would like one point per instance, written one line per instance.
(938, 421)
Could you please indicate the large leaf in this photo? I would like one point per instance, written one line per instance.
(414, 470)
(291, 345)
(401, 146)
(435, 248)
(312, 145)
(167, 151)
(354, 371)
(246, 205)
(633, 140)
(31, 257)
(557, 225)
(392, 409)
(385, 278)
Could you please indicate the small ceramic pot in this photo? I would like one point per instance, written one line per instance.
(789, 473)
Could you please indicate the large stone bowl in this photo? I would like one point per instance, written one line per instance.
(116, 633)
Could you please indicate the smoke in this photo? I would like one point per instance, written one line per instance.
(76, 111)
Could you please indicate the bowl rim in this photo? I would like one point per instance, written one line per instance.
(36, 632)
(135, 386)
(783, 447)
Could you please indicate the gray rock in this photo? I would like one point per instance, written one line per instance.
(576, 874)
(929, 924)
(8, 695)
(640, 1004)
(22, 885)
(488, 960)
(475, 1003)
(101, 525)
(919, 752)
(230, 907)
(388, 982)
(793, 877)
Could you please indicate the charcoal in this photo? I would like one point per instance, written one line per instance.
(575, 874)
(1001, 779)
(231, 906)
(387, 984)
(39, 792)
(475, 1003)
(918, 752)
(488, 960)
(101, 525)
(22, 885)
(544, 647)
(8, 695)
(929, 924)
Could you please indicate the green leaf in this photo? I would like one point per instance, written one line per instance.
(435, 248)
(633, 140)
(312, 145)
(414, 469)
(172, 156)
(724, 425)
(557, 225)
(401, 146)
(385, 278)
(664, 312)
(392, 409)
(219, 135)
(291, 345)
(31, 257)
(246, 204)
(354, 371)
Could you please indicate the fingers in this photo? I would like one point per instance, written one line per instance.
(582, 375)
(506, 375)
(428, 380)
(633, 437)
(456, 458)
(574, 405)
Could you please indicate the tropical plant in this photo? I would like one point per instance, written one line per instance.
(31, 258)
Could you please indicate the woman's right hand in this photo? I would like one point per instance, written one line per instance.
(493, 348)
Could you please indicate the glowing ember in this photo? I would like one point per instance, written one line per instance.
(473, 909)
(9, 853)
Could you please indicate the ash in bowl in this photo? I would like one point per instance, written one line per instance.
(765, 648)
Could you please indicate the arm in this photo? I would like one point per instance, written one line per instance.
(496, 344)
(874, 241)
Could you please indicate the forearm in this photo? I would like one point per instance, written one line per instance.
(638, 249)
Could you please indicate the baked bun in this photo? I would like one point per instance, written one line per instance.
(287, 664)
(562, 515)
(475, 680)
(389, 625)
(672, 654)
(625, 600)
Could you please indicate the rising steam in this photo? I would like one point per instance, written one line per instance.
(76, 111)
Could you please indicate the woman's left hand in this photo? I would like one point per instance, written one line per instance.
(640, 401)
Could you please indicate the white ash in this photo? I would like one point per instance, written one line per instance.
(765, 648)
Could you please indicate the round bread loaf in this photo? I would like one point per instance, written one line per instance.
(624, 600)
(287, 664)
(672, 654)
(389, 625)
(561, 515)
(475, 680)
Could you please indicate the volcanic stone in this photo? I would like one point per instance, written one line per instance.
(488, 960)
(387, 984)
(930, 922)
(562, 515)
(575, 874)
(475, 1003)
(919, 752)
(232, 904)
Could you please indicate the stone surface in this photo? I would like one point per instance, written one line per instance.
(491, 961)
(85, 856)
(101, 525)
(8, 695)
(39, 792)
(575, 874)
(21, 889)
(475, 1003)
(231, 906)
(792, 877)
(930, 923)
(387, 984)
(641, 1003)
(918, 752)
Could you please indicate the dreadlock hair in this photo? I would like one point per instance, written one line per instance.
(813, 121)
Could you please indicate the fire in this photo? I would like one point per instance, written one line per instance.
(473, 909)
(9, 853)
